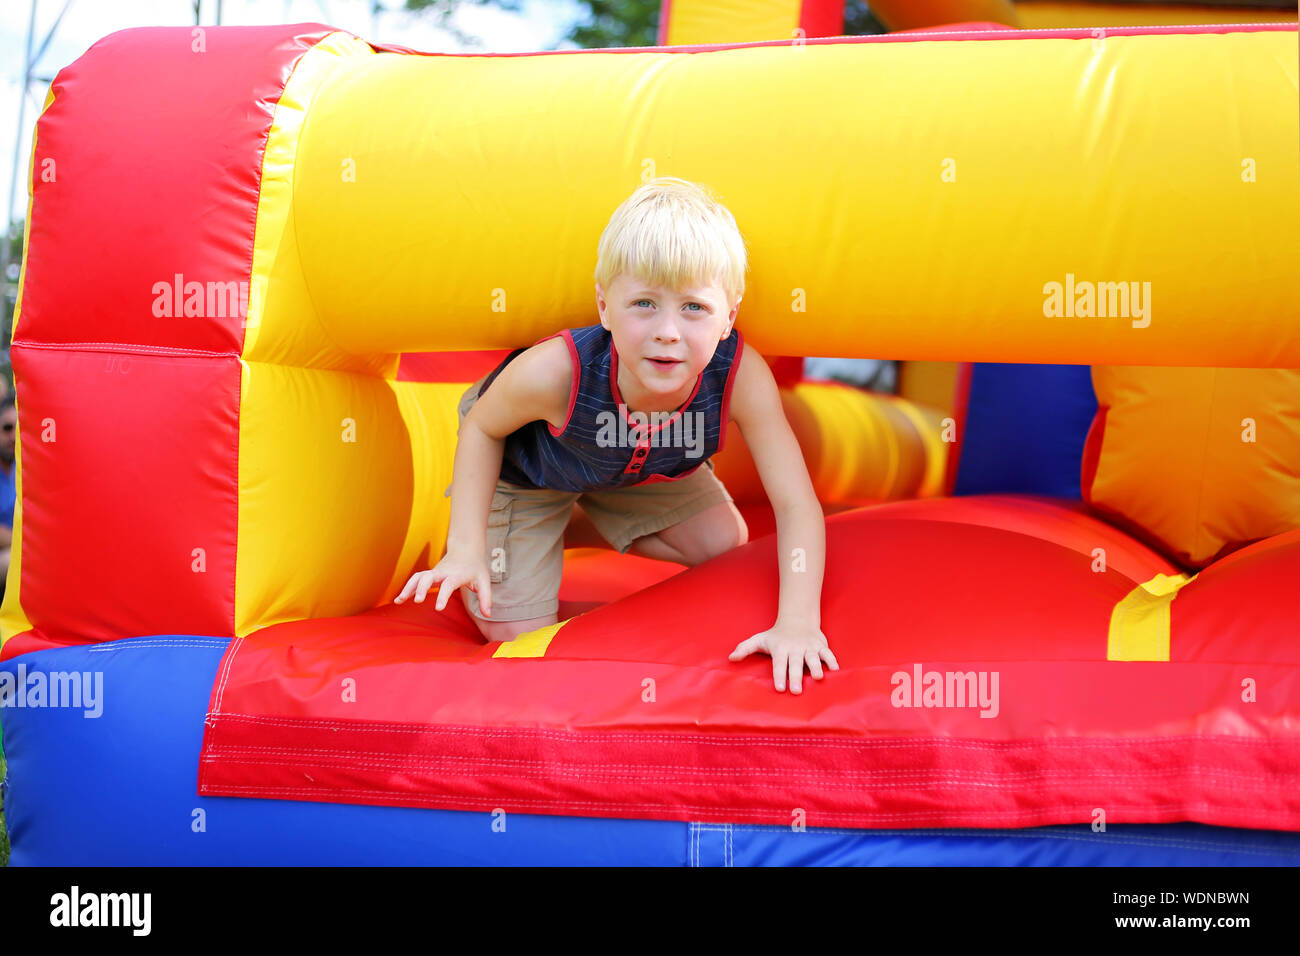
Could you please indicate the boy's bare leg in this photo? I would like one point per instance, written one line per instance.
(653, 546)
(714, 531)
(505, 630)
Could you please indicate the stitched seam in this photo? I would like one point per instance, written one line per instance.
(593, 773)
(426, 797)
(136, 643)
(240, 754)
(379, 727)
(236, 644)
(159, 350)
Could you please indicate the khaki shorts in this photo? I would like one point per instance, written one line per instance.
(525, 529)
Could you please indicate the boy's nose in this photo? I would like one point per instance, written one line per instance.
(666, 330)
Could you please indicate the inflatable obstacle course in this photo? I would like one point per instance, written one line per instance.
(266, 477)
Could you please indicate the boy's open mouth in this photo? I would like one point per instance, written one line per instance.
(663, 363)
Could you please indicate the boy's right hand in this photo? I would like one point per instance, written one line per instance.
(454, 572)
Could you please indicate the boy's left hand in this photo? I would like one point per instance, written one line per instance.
(791, 648)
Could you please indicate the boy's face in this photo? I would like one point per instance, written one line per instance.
(650, 322)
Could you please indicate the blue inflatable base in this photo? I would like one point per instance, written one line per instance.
(119, 789)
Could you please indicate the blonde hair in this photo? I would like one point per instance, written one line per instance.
(672, 232)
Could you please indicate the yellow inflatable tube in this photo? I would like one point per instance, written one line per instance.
(455, 201)
(859, 447)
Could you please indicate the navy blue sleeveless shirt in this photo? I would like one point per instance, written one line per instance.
(602, 445)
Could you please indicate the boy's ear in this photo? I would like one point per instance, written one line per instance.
(600, 302)
(731, 319)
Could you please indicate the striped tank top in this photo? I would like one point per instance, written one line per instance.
(602, 445)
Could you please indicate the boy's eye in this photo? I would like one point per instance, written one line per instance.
(695, 306)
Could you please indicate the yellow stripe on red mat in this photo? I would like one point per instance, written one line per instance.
(1139, 624)
(531, 643)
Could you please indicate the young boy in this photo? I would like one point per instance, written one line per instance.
(622, 418)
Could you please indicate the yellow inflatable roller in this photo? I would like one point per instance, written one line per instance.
(1124, 201)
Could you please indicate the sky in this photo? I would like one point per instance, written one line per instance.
(539, 25)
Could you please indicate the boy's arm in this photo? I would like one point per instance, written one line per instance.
(796, 639)
(474, 472)
(535, 385)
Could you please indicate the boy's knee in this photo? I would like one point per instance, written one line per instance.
(509, 630)
(505, 630)
(735, 533)
(722, 529)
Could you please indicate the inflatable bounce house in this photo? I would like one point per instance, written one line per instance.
(263, 264)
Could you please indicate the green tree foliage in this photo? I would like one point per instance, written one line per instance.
(617, 23)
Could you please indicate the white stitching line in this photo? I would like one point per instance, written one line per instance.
(724, 829)
(235, 645)
(437, 800)
(955, 782)
(1085, 744)
(162, 637)
(325, 758)
(162, 351)
(134, 643)
(253, 750)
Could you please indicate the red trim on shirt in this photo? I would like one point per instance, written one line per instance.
(653, 478)
(722, 428)
(573, 385)
(726, 391)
